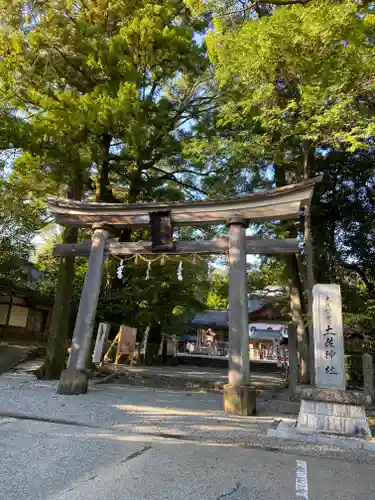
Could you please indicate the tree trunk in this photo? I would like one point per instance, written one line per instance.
(103, 189)
(54, 361)
(309, 252)
(153, 344)
(135, 186)
(298, 314)
(295, 292)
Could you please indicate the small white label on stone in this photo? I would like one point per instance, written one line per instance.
(328, 337)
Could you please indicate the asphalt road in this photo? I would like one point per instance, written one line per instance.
(44, 461)
(127, 443)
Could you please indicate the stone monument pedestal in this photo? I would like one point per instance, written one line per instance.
(334, 411)
(328, 413)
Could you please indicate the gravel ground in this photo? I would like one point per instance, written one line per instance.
(185, 377)
(125, 408)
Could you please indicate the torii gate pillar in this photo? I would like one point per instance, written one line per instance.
(239, 397)
(74, 380)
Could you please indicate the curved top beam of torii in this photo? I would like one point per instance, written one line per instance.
(276, 204)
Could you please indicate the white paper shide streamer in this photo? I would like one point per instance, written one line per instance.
(148, 270)
(179, 271)
(120, 270)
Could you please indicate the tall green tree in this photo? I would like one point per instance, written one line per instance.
(109, 90)
(344, 225)
(297, 77)
(20, 219)
(217, 298)
(110, 82)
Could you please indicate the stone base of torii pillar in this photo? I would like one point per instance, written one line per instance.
(73, 382)
(240, 399)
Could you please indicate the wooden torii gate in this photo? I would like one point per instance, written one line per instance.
(278, 204)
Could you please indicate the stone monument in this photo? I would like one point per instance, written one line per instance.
(328, 411)
(329, 408)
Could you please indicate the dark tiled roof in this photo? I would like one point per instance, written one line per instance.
(21, 290)
(219, 319)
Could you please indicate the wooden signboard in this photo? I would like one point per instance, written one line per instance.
(127, 338)
(126, 342)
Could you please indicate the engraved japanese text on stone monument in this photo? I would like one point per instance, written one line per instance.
(328, 337)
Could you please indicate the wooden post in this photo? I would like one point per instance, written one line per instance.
(239, 372)
(311, 351)
(309, 252)
(368, 375)
(9, 312)
(239, 398)
(298, 318)
(74, 379)
(310, 284)
(293, 359)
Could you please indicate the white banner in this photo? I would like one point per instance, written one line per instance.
(101, 340)
(144, 341)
